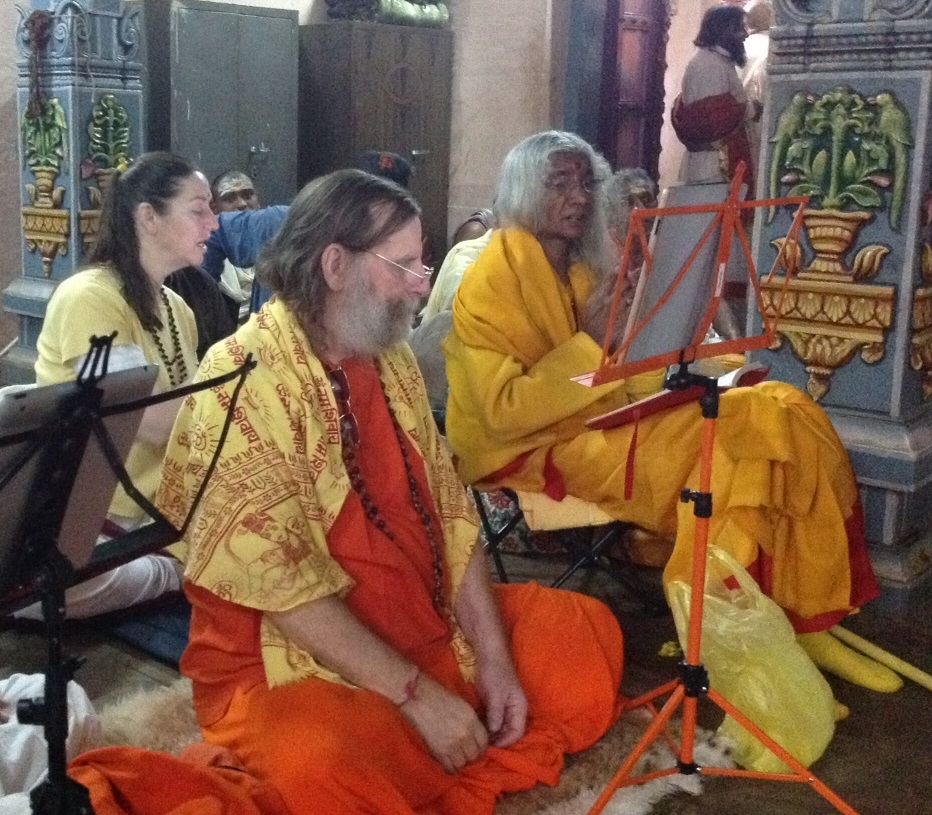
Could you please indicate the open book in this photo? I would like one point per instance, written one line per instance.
(748, 374)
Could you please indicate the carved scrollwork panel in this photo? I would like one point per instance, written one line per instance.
(920, 352)
(827, 323)
(826, 11)
(800, 11)
(896, 9)
(46, 230)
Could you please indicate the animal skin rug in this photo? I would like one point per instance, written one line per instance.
(163, 719)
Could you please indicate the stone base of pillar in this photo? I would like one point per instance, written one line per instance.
(16, 366)
(893, 462)
(904, 566)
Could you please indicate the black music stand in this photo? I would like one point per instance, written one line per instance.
(46, 467)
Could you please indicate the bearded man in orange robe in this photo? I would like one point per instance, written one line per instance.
(346, 643)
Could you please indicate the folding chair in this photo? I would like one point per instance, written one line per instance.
(586, 532)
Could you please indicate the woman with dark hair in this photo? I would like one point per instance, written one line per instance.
(155, 221)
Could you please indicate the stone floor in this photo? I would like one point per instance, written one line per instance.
(878, 761)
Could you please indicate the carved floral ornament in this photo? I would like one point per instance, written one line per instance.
(108, 147)
(850, 155)
(45, 223)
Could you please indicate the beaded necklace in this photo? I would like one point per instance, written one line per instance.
(349, 436)
(175, 366)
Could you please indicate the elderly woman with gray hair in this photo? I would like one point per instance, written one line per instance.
(525, 324)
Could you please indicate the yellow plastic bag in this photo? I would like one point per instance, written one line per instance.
(750, 651)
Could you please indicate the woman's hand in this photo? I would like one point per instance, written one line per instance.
(452, 731)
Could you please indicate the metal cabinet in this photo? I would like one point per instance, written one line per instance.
(221, 85)
(372, 86)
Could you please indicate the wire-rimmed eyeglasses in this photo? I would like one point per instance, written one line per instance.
(424, 274)
(564, 183)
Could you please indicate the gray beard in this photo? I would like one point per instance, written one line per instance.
(366, 326)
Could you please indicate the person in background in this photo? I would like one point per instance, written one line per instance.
(398, 169)
(475, 226)
(467, 246)
(155, 221)
(386, 165)
(234, 191)
(712, 112)
(238, 239)
(760, 19)
(345, 637)
(787, 504)
(435, 319)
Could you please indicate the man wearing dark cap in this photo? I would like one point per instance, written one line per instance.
(385, 164)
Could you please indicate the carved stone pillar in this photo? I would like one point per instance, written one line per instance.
(79, 103)
(848, 123)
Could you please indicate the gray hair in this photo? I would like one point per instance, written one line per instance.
(617, 194)
(348, 207)
(520, 200)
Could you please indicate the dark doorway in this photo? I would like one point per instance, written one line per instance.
(631, 103)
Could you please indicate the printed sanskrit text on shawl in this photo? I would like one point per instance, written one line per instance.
(259, 536)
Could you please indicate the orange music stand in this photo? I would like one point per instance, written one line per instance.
(693, 682)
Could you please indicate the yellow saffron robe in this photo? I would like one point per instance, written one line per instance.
(785, 500)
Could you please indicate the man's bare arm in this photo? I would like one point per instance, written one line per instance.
(335, 637)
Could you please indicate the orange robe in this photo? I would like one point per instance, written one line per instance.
(204, 780)
(329, 747)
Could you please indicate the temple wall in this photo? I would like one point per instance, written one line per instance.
(847, 123)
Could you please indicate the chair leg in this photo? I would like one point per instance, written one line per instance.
(494, 537)
(595, 554)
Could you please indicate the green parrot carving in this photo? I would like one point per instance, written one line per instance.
(788, 127)
(893, 126)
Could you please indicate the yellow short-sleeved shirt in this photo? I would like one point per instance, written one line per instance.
(89, 303)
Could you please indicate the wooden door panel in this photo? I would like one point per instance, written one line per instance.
(233, 86)
(204, 102)
(370, 86)
(268, 79)
(633, 91)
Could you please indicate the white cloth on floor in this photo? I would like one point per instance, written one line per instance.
(23, 749)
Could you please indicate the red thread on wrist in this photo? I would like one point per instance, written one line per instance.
(410, 687)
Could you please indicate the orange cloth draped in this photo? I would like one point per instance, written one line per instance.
(716, 122)
(204, 780)
(329, 747)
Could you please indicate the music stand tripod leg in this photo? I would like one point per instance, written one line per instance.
(693, 683)
(58, 794)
